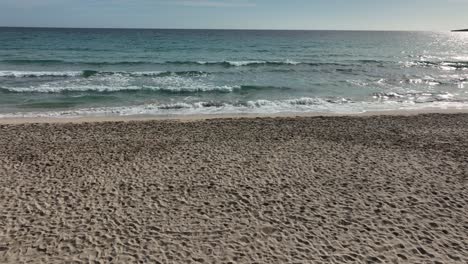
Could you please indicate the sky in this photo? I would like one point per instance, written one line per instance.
(239, 14)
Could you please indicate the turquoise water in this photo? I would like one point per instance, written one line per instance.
(75, 72)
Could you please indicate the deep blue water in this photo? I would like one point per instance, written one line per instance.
(71, 72)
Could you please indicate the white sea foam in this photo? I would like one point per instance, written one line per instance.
(145, 73)
(413, 97)
(249, 62)
(415, 81)
(245, 63)
(358, 82)
(102, 88)
(22, 74)
(181, 84)
(445, 96)
(304, 104)
(442, 65)
(461, 58)
(59, 89)
(251, 107)
(447, 68)
(125, 74)
(118, 82)
(85, 73)
(429, 81)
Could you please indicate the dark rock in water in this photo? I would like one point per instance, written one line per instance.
(460, 30)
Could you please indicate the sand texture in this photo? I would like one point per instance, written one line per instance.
(379, 189)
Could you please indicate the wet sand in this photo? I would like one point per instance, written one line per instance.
(389, 189)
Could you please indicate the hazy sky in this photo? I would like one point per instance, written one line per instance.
(251, 14)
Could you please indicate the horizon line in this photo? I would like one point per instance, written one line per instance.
(227, 29)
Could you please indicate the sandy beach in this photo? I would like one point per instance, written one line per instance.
(335, 189)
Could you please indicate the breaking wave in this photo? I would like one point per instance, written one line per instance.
(219, 63)
(189, 88)
(415, 97)
(90, 73)
(443, 65)
(226, 63)
(298, 105)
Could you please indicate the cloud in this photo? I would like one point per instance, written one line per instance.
(214, 3)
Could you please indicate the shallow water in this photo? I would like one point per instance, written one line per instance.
(67, 72)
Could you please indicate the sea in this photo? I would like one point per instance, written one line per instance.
(52, 72)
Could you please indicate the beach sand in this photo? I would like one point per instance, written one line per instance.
(390, 189)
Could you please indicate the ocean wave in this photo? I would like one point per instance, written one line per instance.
(277, 63)
(189, 88)
(224, 63)
(304, 101)
(413, 81)
(203, 107)
(262, 87)
(237, 63)
(297, 105)
(111, 89)
(415, 97)
(443, 65)
(64, 62)
(368, 61)
(91, 73)
(32, 74)
(31, 61)
(220, 63)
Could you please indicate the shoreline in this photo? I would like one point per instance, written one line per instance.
(187, 118)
